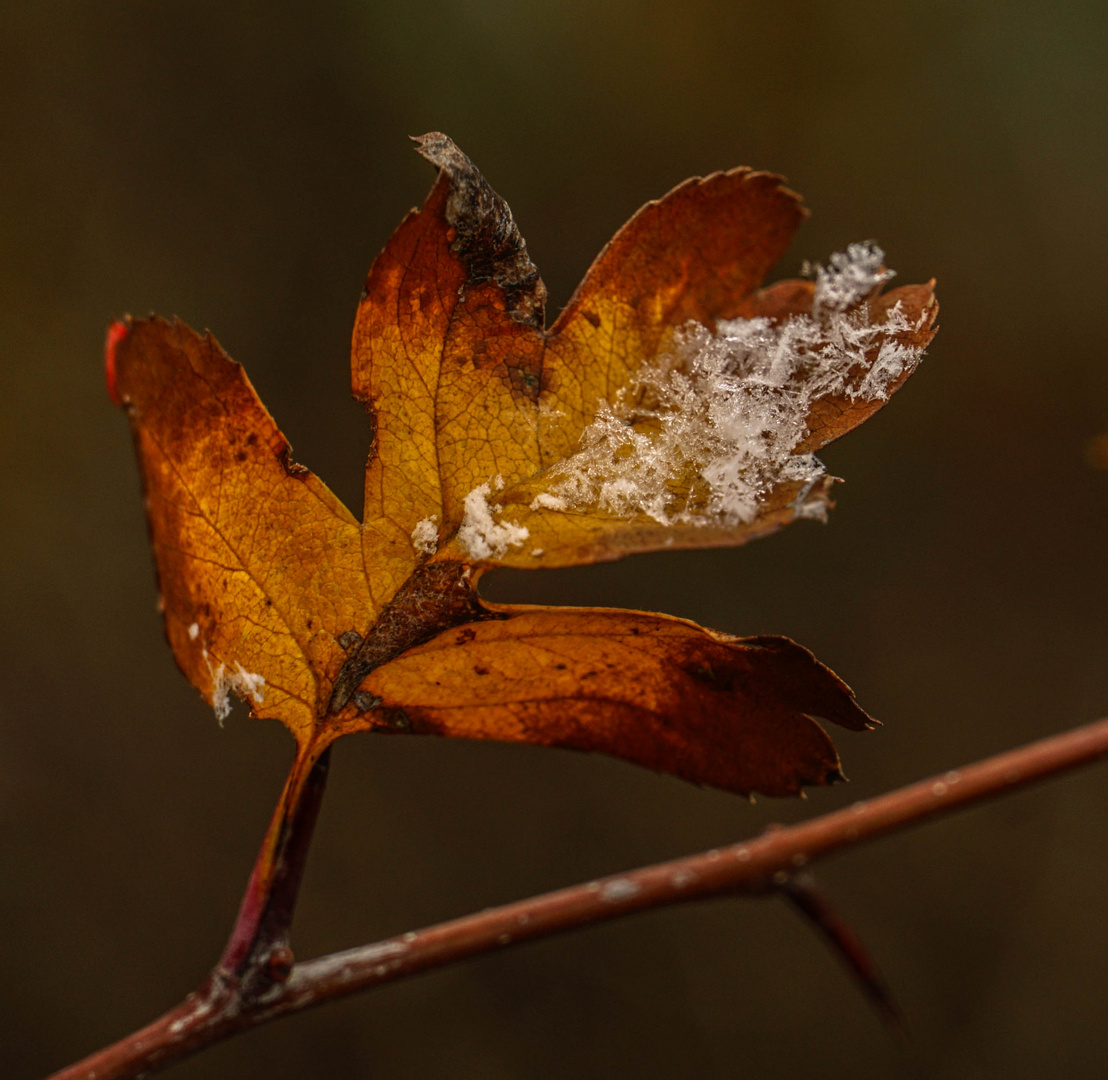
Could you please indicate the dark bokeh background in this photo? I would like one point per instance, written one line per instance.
(239, 164)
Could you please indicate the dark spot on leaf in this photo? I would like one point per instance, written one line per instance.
(525, 380)
(703, 672)
(365, 701)
(349, 639)
(478, 354)
(391, 720)
(486, 239)
(591, 317)
(480, 671)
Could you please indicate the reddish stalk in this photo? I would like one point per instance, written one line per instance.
(256, 957)
(259, 938)
(756, 866)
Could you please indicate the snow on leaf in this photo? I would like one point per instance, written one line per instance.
(425, 536)
(246, 684)
(730, 407)
(672, 403)
(851, 276)
(480, 536)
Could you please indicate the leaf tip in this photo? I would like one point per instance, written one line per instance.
(485, 238)
(437, 148)
(117, 331)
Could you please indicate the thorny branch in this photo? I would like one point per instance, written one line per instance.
(765, 864)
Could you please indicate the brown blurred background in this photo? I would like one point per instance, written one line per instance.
(239, 165)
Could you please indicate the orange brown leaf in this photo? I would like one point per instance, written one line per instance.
(259, 565)
(671, 404)
(735, 713)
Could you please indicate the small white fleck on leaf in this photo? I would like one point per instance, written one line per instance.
(480, 535)
(425, 536)
(245, 684)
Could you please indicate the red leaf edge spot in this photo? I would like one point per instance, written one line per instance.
(116, 333)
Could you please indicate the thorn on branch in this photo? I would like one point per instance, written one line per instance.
(769, 862)
(801, 891)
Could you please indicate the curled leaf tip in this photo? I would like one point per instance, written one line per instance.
(486, 239)
(441, 150)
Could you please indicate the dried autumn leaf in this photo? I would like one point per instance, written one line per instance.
(662, 692)
(670, 404)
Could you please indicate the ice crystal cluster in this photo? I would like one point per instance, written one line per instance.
(480, 535)
(720, 416)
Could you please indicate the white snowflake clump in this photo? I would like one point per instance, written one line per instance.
(425, 536)
(545, 501)
(731, 407)
(244, 683)
(852, 276)
(480, 536)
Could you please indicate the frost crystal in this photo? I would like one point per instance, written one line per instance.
(708, 429)
(425, 536)
(479, 534)
(852, 276)
(242, 682)
(545, 501)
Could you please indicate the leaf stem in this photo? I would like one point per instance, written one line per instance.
(266, 911)
(753, 867)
